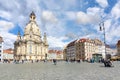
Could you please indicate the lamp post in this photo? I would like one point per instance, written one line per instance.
(102, 28)
(46, 56)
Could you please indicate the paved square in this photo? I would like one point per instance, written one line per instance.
(61, 71)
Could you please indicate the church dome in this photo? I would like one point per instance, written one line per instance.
(32, 29)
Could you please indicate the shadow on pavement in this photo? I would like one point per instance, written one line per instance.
(106, 67)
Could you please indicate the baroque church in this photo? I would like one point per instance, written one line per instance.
(31, 46)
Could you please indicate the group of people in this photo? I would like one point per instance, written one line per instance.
(73, 60)
(6, 61)
(107, 63)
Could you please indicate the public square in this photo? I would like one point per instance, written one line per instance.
(61, 71)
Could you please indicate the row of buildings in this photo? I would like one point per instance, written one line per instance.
(87, 49)
(8, 54)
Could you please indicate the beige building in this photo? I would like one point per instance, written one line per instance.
(31, 46)
(118, 48)
(55, 54)
(98, 44)
(8, 54)
(64, 53)
(85, 48)
(82, 49)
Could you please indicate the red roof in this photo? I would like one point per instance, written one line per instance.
(55, 51)
(9, 51)
(83, 40)
(71, 43)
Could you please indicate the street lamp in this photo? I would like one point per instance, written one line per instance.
(46, 56)
(102, 28)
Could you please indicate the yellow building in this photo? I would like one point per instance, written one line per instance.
(85, 48)
(31, 46)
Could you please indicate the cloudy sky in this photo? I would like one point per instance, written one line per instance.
(62, 20)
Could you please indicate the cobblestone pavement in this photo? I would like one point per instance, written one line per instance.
(61, 71)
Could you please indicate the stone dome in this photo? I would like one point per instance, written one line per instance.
(32, 29)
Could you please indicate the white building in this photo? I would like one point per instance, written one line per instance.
(8, 54)
(1, 48)
(102, 51)
(55, 54)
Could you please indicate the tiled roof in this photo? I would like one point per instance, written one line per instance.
(83, 40)
(55, 51)
(9, 51)
(71, 43)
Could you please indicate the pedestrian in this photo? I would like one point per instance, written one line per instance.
(66, 60)
(54, 61)
(22, 61)
(32, 61)
(78, 60)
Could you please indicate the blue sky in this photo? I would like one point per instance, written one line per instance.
(62, 20)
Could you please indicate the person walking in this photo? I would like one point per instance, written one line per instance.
(54, 61)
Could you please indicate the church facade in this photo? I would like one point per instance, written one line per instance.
(31, 46)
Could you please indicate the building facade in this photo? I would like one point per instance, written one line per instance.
(31, 46)
(55, 54)
(1, 48)
(8, 54)
(118, 48)
(71, 50)
(64, 53)
(86, 49)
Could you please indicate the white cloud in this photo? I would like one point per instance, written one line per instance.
(94, 10)
(108, 24)
(84, 18)
(113, 35)
(56, 42)
(5, 14)
(102, 3)
(116, 11)
(55, 29)
(48, 16)
(70, 15)
(8, 39)
(5, 25)
(60, 5)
